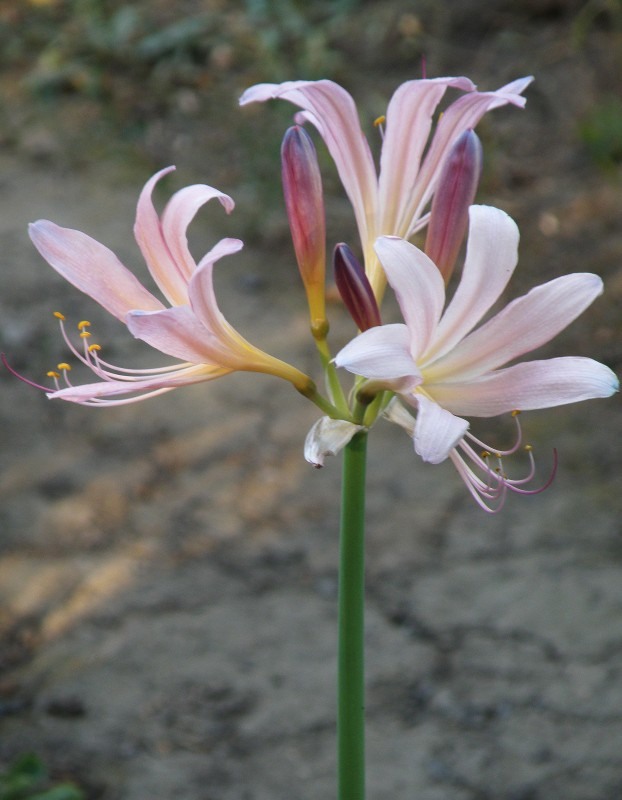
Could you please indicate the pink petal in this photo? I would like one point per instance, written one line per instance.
(167, 274)
(437, 431)
(418, 285)
(523, 325)
(408, 125)
(534, 384)
(492, 255)
(179, 213)
(92, 268)
(163, 243)
(178, 333)
(461, 115)
(332, 111)
(204, 303)
(381, 353)
(164, 382)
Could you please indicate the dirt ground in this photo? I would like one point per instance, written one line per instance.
(168, 569)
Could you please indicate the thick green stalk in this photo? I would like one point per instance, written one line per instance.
(351, 680)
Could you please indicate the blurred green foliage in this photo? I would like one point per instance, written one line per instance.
(27, 779)
(105, 47)
(601, 132)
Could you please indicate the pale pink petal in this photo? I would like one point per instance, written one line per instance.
(177, 216)
(167, 274)
(381, 353)
(461, 115)
(437, 431)
(116, 388)
(332, 111)
(418, 286)
(522, 326)
(491, 256)
(203, 297)
(225, 247)
(407, 128)
(178, 333)
(92, 268)
(530, 385)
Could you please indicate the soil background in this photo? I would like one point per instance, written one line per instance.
(168, 569)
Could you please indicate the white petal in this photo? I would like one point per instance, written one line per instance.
(381, 353)
(418, 286)
(395, 412)
(523, 325)
(437, 431)
(491, 256)
(534, 384)
(328, 437)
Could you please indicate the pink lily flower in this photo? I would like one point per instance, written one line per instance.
(443, 366)
(395, 201)
(191, 328)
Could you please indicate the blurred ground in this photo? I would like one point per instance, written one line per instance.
(168, 570)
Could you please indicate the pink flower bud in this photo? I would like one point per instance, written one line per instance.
(355, 289)
(450, 207)
(302, 187)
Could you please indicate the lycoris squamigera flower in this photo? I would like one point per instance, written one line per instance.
(190, 328)
(396, 199)
(444, 368)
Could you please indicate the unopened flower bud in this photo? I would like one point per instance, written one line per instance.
(302, 187)
(355, 288)
(450, 207)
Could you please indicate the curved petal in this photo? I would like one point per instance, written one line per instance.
(178, 215)
(523, 325)
(437, 431)
(104, 389)
(418, 286)
(150, 238)
(491, 256)
(205, 306)
(92, 268)
(332, 111)
(534, 384)
(407, 128)
(461, 115)
(381, 353)
(178, 333)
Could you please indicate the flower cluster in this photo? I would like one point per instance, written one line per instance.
(428, 373)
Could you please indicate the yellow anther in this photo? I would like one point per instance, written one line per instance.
(59, 316)
(83, 324)
(63, 366)
(380, 120)
(515, 413)
(53, 374)
(528, 448)
(93, 347)
(485, 454)
(85, 334)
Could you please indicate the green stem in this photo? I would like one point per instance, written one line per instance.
(351, 679)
